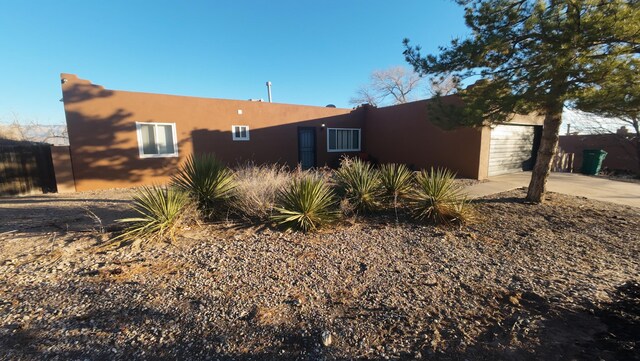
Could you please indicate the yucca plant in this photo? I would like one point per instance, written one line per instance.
(207, 180)
(161, 211)
(438, 198)
(306, 204)
(360, 183)
(397, 181)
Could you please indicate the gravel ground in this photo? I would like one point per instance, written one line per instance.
(554, 281)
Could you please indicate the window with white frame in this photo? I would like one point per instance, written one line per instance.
(157, 140)
(343, 139)
(240, 132)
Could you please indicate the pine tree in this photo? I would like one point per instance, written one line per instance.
(536, 56)
(618, 97)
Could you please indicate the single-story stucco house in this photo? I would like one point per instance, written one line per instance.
(124, 139)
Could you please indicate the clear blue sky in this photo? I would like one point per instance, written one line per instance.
(314, 52)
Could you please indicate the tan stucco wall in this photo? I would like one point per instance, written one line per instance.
(404, 134)
(104, 147)
(621, 153)
(62, 167)
(530, 119)
(483, 161)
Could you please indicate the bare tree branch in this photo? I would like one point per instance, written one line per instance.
(390, 86)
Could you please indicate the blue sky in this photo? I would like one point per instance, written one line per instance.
(314, 52)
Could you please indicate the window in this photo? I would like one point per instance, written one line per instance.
(240, 132)
(343, 140)
(157, 140)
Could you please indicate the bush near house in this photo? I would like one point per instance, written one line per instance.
(397, 181)
(438, 198)
(307, 203)
(256, 190)
(299, 200)
(161, 212)
(360, 184)
(208, 181)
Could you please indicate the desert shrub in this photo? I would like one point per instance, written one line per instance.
(360, 184)
(439, 198)
(307, 203)
(161, 212)
(257, 188)
(397, 181)
(207, 180)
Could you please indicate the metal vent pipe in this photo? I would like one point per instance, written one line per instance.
(269, 90)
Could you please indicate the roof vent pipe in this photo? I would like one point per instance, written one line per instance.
(269, 90)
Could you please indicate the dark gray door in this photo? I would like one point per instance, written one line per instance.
(307, 147)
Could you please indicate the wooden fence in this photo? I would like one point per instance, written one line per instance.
(562, 162)
(26, 169)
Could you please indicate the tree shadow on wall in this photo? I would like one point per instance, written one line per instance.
(105, 148)
(77, 93)
(277, 143)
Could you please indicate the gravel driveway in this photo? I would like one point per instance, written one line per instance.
(554, 281)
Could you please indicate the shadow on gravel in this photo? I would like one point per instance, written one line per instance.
(42, 218)
(44, 199)
(122, 323)
(117, 327)
(517, 200)
(608, 332)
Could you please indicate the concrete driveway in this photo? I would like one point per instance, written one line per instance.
(626, 193)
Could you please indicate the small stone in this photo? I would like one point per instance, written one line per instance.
(430, 281)
(326, 338)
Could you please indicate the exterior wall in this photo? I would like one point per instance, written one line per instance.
(403, 134)
(62, 167)
(105, 151)
(531, 119)
(104, 145)
(485, 147)
(621, 154)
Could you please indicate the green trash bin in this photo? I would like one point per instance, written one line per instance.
(592, 161)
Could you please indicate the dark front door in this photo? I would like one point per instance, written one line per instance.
(307, 147)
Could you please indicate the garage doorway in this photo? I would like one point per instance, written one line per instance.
(513, 148)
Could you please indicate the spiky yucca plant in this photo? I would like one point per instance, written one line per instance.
(438, 198)
(360, 183)
(161, 211)
(397, 181)
(207, 180)
(306, 204)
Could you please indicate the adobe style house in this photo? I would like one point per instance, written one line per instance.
(124, 139)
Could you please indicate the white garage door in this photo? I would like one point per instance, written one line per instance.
(510, 148)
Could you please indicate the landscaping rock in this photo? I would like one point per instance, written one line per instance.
(326, 338)
(550, 281)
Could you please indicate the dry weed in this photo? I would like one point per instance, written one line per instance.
(257, 188)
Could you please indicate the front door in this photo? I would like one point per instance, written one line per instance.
(307, 147)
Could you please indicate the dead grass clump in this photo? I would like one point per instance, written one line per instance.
(268, 316)
(257, 188)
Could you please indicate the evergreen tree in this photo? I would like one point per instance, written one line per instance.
(618, 97)
(536, 56)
